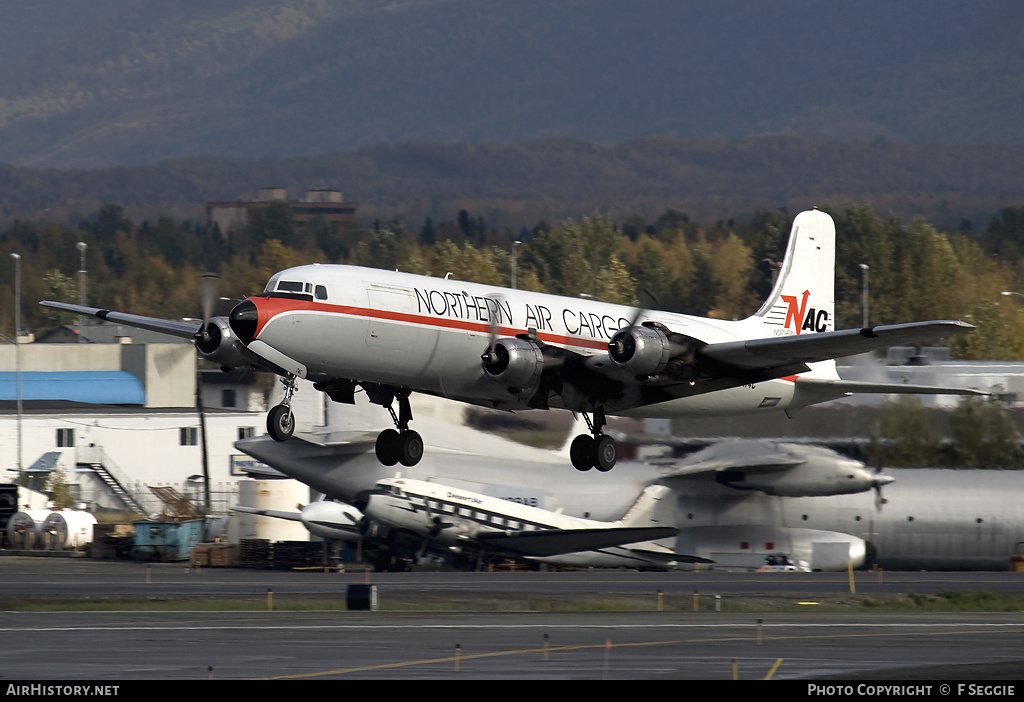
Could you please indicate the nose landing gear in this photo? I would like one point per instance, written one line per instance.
(280, 420)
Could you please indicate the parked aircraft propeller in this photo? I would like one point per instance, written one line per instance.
(877, 484)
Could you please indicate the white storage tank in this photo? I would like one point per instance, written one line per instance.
(25, 528)
(68, 530)
(277, 495)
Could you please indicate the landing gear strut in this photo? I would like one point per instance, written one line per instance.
(596, 450)
(403, 445)
(280, 420)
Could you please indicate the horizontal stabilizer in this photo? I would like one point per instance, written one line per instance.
(665, 556)
(553, 542)
(783, 351)
(837, 387)
(173, 327)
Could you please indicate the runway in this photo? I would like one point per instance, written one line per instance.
(462, 641)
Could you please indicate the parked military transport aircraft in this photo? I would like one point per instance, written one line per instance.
(392, 333)
(735, 502)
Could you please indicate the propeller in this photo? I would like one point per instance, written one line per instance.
(490, 355)
(434, 521)
(877, 484)
(208, 285)
(621, 345)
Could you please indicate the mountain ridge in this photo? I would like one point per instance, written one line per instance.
(131, 83)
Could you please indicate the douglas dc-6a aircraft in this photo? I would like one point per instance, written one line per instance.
(393, 333)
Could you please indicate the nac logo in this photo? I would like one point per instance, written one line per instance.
(801, 318)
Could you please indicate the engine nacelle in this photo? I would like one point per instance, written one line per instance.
(332, 520)
(640, 351)
(222, 346)
(515, 363)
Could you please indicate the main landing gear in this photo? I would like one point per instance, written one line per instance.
(401, 445)
(596, 450)
(280, 420)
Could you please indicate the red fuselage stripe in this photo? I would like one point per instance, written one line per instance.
(270, 307)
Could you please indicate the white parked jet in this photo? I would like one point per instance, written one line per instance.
(394, 333)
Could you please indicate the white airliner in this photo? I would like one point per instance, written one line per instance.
(461, 519)
(393, 333)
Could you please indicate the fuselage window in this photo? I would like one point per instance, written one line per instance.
(320, 292)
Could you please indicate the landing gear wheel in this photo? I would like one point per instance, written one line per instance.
(581, 452)
(387, 447)
(410, 448)
(280, 423)
(605, 453)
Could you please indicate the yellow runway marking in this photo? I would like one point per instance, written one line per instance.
(635, 644)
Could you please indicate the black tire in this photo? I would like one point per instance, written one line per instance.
(388, 447)
(280, 423)
(411, 448)
(605, 453)
(581, 452)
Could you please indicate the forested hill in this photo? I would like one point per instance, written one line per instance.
(516, 185)
(107, 82)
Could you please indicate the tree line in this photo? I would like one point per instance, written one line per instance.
(725, 270)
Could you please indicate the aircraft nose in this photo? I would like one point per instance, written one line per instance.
(881, 480)
(243, 320)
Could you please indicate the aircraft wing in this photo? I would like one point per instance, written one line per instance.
(553, 542)
(754, 463)
(174, 327)
(775, 352)
(290, 516)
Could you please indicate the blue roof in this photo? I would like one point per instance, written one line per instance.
(94, 387)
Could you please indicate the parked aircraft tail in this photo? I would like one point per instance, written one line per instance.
(652, 508)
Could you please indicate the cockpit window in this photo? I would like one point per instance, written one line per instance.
(289, 286)
(321, 292)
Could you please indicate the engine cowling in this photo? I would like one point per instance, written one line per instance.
(220, 345)
(640, 351)
(515, 363)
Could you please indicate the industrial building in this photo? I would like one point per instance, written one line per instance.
(115, 418)
(326, 204)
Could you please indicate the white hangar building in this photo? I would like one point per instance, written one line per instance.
(115, 418)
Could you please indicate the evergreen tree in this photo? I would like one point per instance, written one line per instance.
(984, 436)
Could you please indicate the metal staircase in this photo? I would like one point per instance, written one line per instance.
(94, 459)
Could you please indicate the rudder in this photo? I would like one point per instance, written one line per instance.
(803, 300)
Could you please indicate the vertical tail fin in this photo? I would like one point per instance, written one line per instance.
(803, 300)
(651, 508)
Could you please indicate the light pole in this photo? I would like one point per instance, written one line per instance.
(17, 349)
(82, 246)
(515, 249)
(864, 320)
